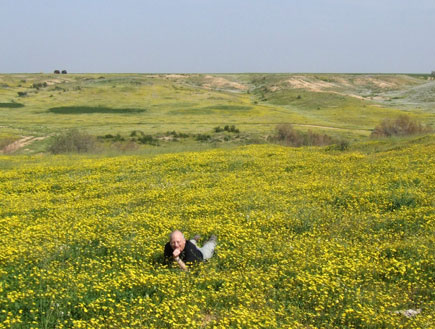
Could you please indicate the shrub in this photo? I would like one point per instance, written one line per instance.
(340, 145)
(135, 133)
(113, 138)
(148, 139)
(404, 125)
(231, 129)
(21, 93)
(118, 138)
(177, 135)
(73, 141)
(202, 137)
(314, 139)
(286, 135)
(39, 85)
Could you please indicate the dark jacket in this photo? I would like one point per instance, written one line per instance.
(190, 253)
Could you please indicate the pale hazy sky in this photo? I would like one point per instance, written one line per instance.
(386, 36)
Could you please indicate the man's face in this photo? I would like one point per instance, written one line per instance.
(177, 241)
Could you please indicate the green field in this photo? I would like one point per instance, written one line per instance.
(344, 105)
(333, 236)
(307, 238)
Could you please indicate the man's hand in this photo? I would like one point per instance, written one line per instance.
(176, 253)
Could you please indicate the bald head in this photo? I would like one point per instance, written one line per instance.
(177, 240)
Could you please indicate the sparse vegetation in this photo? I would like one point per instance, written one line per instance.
(113, 138)
(4, 141)
(175, 134)
(73, 141)
(163, 106)
(148, 139)
(231, 129)
(38, 85)
(286, 135)
(404, 125)
(202, 137)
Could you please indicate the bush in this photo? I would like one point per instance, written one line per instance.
(39, 85)
(148, 139)
(112, 138)
(286, 135)
(22, 94)
(231, 129)
(177, 135)
(73, 141)
(202, 137)
(315, 139)
(404, 125)
(135, 133)
(342, 145)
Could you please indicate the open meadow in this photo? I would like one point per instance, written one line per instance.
(345, 106)
(333, 236)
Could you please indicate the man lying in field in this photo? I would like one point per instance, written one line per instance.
(185, 251)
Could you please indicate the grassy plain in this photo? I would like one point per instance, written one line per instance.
(347, 106)
(312, 237)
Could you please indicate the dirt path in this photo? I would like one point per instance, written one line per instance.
(317, 126)
(24, 141)
(332, 128)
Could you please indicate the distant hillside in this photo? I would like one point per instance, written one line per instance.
(347, 106)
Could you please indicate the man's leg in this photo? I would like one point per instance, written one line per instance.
(208, 248)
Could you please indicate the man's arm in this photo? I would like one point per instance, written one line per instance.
(181, 263)
(176, 255)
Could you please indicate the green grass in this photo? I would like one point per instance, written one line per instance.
(192, 103)
(89, 109)
(11, 105)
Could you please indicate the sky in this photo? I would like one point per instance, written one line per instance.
(217, 36)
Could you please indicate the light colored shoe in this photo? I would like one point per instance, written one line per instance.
(197, 237)
(213, 238)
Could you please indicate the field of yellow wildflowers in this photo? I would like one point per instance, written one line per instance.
(308, 238)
